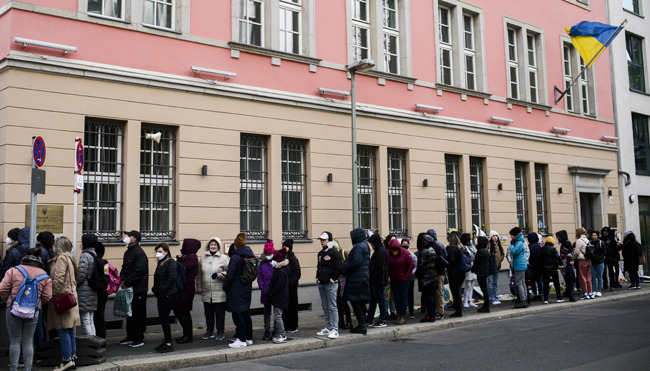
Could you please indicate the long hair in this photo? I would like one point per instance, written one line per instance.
(580, 231)
(453, 240)
(63, 246)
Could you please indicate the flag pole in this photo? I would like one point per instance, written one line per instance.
(606, 44)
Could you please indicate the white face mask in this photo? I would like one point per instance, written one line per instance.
(9, 241)
(127, 240)
(268, 257)
(160, 256)
(330, 244)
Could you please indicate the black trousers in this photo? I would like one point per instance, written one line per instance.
(455, 283)
(345, 316)
(613, 270)
(136, 325)
(359, 308)
(290, 316)
(411, 301)
(165, 305)
(214, 312)
(429, 299)
(482, 283)
(185, 320)
(98, 316)
(547, 277)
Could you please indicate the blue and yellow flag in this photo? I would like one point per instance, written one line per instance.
(591, 38)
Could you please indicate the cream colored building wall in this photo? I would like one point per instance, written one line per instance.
(209, 129)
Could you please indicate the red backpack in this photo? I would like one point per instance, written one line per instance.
(114, 279)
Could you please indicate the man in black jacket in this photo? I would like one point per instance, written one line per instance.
(328, 271)
(135, 275)
(611, 259)
(378, 281)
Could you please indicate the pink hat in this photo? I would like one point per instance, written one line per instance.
(280, 255)
(268, 247)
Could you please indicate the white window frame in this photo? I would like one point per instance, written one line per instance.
(526, 78)
(469, 52)
(391, 36)
(445, 47)
(170, 4)
(286, 9)
(106, 5)
(360, 25)
(581, 98)
(513, 63)
(567, 73)
(245, 23)
(531, 60)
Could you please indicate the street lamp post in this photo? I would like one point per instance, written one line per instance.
(356, 66)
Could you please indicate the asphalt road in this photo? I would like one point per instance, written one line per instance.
(608, 336)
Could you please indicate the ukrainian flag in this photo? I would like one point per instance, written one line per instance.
(591, 38)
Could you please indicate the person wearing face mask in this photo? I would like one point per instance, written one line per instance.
(166, 292)
(14, 251)
(209, 284)
(135, 274)
(263, 282)
(328, 271)
(184, 304)
(400, 269)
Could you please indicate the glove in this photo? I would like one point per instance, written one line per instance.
(214, 276)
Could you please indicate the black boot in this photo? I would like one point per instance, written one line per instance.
(360, 329)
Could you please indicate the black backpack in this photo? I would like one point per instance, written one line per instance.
(250, 270)
(590, 251)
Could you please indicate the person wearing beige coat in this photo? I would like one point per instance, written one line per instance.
(209, 284)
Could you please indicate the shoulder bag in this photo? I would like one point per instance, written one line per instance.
(66, 300)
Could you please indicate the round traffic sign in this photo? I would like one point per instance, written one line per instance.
(79, 156)
(38, 151)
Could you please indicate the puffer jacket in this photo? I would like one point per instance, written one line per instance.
(550, 258)
(580, 248)
(356, 268)
(400, 266)
(601, 251)
(427, 273)
(264, 278)
(13, 279)
(518, 252)
(19, 249)
(212, 289)
(278, 293)
(164, 278)
(238, 294)
(87, 296)
(481, 264)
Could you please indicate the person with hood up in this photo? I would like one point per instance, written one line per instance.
(456, 275)
(400, 269)
(632, 250)
(496, 258)
(87, 296)
(550, 260)
(238, 293)
(15, 254)
(21, 331)
(597, 263)
(102, 296)
(135, 274)
(441, 268)
(566, 250)
(45, 240)
(611, 259)
(535, 271)
(584, 264)
(519, 265)
(290, 316)
(356, 272)
(184, 304)
(481, 268)
(470, 277)
(209, 284)
(278, 292)
(427, 275)
(166, 292)
(378, 281)
(263, 282)
(328, 270)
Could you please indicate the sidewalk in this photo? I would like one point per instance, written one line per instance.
(206, 352)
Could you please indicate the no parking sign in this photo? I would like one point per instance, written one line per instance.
(38, 151)
(78, 165)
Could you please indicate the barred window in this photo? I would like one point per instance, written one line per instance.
(157, 184)
(540, 197)
(366, 159)
(397, 192)
(252, 187)
(521, 194)
(476, 190)
(294, 195)
(452, 181)
(103, 167)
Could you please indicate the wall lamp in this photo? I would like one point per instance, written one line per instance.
(422, 107)
(329, 178)
(204, 170)
(501, 120)
(343, 93)
(558, 130)
(227, 75)
(606, 138)
(500, 187)
(425, 183)
(45, 44)
(559, 190)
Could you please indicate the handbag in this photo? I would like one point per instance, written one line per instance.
(66, 300)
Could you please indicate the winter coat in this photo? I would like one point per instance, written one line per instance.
(631, 252)
(496, 249)
(294, 268)
(87, 296)
(518, 251)
(481, 264)
(14, 278)
(238, 294)
(19, 249)
(563, 240)
(211, 289)
(191, 263)
(427, 273)
(329, 266)
(164, 278)
(356, 269)
(454, 259)
(613, 250)
(601, 251)
(550, 259)
(400, 266)
(278, 292)
(379, 265)
(580, 248)
(264, 278)
(135, 269)
(63, 280)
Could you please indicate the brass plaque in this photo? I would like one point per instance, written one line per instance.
(48, 218)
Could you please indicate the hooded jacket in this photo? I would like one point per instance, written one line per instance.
(535, 254)
(294, 268)
(613, 249)
(190, 261)
(238, 294)
(211, 289)
(481, 264)
(356, 268)
(135, 269)
(16, 253)
(278, 292)
(631, 252)
(13, 279)
(563, 239)
(441, 253)
(518, 251)
(378, 262)
(264, 278)
(400, 266)
(87, 296)
(427, 272)
(550, 258)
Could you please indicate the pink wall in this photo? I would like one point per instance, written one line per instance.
(211, 19)
(70, 5)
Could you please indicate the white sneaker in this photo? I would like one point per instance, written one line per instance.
(472, 305)
(496, 302)
(545, 301)
(237, 344)
(598, 293)
(560, 301)
(249, 342)
(333, 334)
(323, 332)
(466, 305)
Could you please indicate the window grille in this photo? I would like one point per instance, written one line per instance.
(521, 194)
(252, 187)
(294, 193)
(476, 191)
(366, 168)
(452, 181)
(397, 207)
(540, 197)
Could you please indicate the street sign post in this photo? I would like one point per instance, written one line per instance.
(78, 185)
(38, 159)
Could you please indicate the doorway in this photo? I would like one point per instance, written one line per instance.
(589, 205)
(644, 224)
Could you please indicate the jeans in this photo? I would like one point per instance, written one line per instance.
(520, 282)
(493, 289)
(136, 325)
(290, 316)
(98, 316)
(597, 276)
(547, 277)
(68, 343)
(244, 325)
(215, 312)
(429, 299)
(165, 305)
(536, 284)
(584, 266)
(87, 323)
(21, 332)
(328, 294)
(377, 298)
(278, 324)
(268, 311)
(400, 293)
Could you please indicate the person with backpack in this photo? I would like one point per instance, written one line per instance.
(584, 263)
(102, 295)
(356, 272)
(400, 269)
(632, 251)
(550, 260)
(184, 304)
(456, 274)
(481, 267)
(88, 283)
(135, 275)
(209, 284)
(238, 292)
(166, 292)
(427, 275)
(496, 258)
(14, 252)
(519, 265)
(328, 270)
(263, 282)
(290, 316)
(15, 287)
(64, 273)
(378, 281)
(278, 293)
(441, 268)
(534, 268)
(597, 263)
(470, 277)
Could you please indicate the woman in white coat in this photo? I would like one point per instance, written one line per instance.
(470, 278)
(209, 284)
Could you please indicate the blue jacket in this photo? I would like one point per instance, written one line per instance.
(238, 294)
(356, 269)
(518, 251)
(16, 253)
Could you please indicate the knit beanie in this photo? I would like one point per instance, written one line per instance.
(240, 240)
(465, 238)
(268, 247)
(13, 234)
(515, 231)
(88, 240)
(550, 240)
(280, 255)
(375, 240)
(288, 243)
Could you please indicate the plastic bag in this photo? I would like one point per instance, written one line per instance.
(122, 303)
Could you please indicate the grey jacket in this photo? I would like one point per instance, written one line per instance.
(87, 296)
